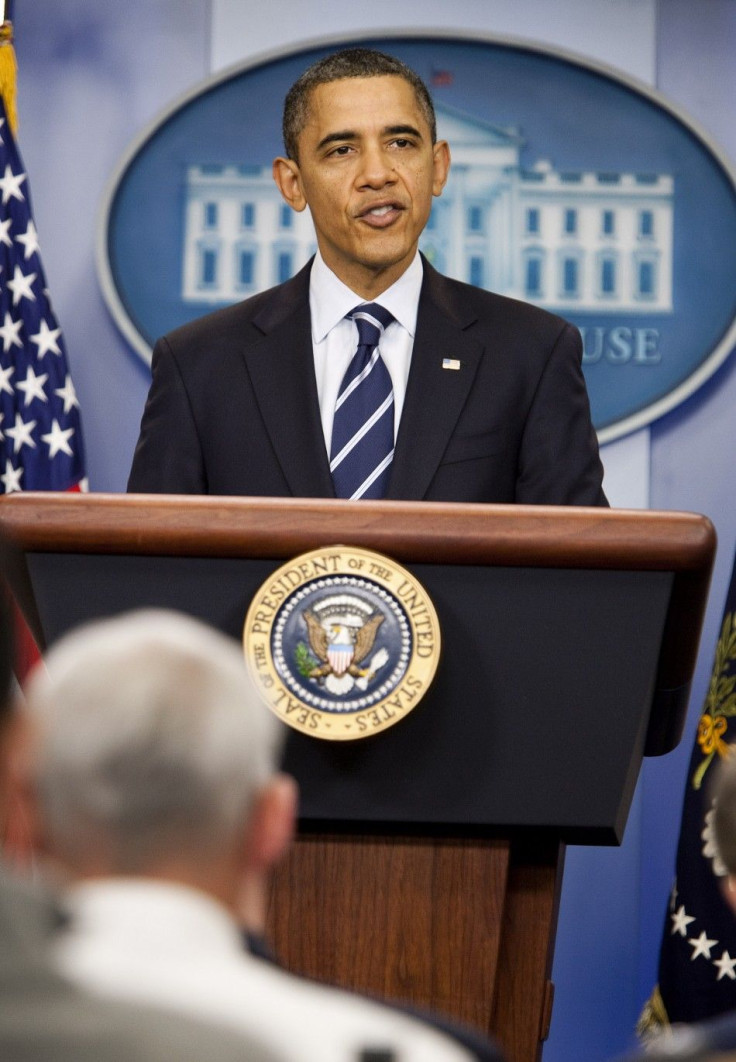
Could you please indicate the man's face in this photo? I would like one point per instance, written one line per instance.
(367, 170)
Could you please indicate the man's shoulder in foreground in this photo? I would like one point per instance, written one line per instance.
(45, 1018)
(194, 961)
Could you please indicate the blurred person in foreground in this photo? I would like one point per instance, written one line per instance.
(44, 1017)
(713, 1040)
(153, 762)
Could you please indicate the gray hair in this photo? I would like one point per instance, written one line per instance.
(150, 738)
(350, 62)
(724, 816)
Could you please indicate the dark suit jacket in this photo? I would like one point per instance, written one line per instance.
(233, 405)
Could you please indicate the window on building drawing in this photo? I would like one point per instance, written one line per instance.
(284, 266)
(207, 267)
(476, 271)
(608, 276)
(646, 279)
(246, 268)
(475, 219)
(646, 223)
(532, 220)
(210, 215)
(533, 277)
(570, 280)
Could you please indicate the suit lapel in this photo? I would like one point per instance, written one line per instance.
(435, 396)
(281, 368)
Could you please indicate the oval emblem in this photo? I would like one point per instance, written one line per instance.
(572, 187)
(342, 643)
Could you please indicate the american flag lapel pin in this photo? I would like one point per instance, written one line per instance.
(451, 363)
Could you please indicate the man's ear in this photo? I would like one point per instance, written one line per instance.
(272, 822)
(288, 179)
(441, 165)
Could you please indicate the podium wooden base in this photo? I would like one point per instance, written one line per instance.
(463, 927)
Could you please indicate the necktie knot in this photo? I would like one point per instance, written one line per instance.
(371, 320)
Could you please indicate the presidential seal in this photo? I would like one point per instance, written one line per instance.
(341, 642)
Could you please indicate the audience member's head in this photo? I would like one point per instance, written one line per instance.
(152, 756)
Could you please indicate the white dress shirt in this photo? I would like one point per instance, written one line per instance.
(173, 946)
(335, 339)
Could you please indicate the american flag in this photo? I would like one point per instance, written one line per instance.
(41, 444)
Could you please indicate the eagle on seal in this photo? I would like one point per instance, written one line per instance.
(339, 646)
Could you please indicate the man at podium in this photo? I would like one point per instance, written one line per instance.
(369, 374)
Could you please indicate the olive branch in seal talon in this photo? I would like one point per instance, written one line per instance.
(720, 702)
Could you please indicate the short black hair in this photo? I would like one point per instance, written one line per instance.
(350, 62)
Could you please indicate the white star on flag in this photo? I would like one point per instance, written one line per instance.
(11, 478)
(725, 967)
(29, 239)
(58, 439)
(9, 333)
(46, 339)
(68, 394)
(10, 185)
(4, 234)
(32, 386)
(701, 946)
(21, 433)
(5, 375)
(680, 921)
(20, 285)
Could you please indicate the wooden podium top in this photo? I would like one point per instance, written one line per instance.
(441, 532)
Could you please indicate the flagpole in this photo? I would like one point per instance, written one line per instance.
(8, 68)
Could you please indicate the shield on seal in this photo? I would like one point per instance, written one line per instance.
(340, 656)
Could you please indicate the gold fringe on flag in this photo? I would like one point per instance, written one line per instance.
(8, 69)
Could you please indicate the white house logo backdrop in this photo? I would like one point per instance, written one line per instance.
(571, 187)
(341, 643)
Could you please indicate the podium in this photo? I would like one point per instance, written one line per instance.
(430, 856)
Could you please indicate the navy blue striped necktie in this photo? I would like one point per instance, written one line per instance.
(363, 428)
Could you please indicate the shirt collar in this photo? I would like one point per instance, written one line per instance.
(149, 910)
(330, 300)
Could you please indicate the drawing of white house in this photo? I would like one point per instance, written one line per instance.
(564, 240)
